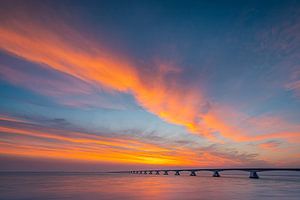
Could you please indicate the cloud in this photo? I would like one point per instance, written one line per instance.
(240, 127)
(279, 46)
(235, 157)
(61, 48)
(53, 43)
(270, 145)
(52, 86)
(295, 87)
(31, 140)
(62, 88)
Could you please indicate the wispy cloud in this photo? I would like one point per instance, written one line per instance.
(90, 63)
(36, 141)
(62, 88)
(54, 44)
(271, 145)
(52, 86)
(294, 87)
(229, 123)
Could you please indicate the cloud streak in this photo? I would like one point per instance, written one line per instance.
(58, 46)
(30, 140)
(80, 58)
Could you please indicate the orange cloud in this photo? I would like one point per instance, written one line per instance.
(83, 59)
(271, 145)
(58, 46)
(82, 147)
(31, 140)
(239, 127)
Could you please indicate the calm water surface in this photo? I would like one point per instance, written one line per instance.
(45, 186)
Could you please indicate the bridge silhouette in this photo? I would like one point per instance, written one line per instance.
(215, 171)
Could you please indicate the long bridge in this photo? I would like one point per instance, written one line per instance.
(215, 171)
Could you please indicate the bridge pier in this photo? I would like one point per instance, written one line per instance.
(216, 174)
(157, 173)
(166, 173)
(193, 173)
(145, 172)
(141, 172)
(177, 173)
(253, 174)
(150, 172)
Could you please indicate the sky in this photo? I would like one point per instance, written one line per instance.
(124, 85)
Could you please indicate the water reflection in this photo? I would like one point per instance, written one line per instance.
(143, 187)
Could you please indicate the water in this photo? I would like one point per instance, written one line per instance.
(77, 186)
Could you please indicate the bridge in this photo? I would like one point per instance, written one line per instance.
(215, 171)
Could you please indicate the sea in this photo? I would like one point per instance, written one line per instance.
(111, 186)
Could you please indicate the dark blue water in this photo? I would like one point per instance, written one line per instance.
(45, 186)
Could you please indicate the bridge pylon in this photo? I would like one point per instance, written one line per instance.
(253, 174)
(216, 174)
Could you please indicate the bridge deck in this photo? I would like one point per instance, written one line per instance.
(253, 171)
(231, 169)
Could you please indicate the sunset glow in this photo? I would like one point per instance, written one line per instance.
(192, 94)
